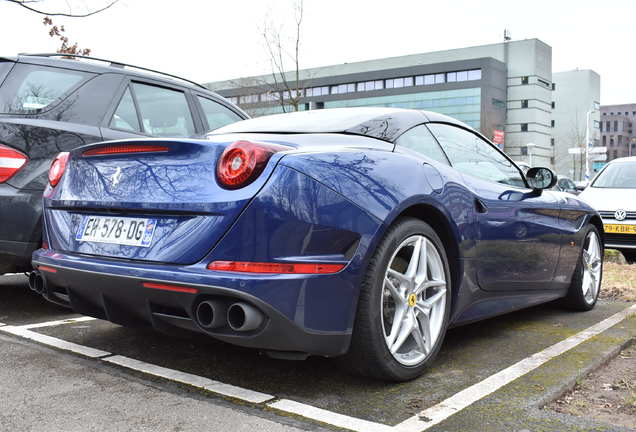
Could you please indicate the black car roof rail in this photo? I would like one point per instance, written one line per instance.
(114, 64)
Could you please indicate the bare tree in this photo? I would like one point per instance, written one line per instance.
(40, 7)
(576, 139)
(286, 81)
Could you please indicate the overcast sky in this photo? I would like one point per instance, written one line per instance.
(210, 40)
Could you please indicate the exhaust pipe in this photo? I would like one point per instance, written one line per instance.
(210, 314)
(243, 317)
(36, 282)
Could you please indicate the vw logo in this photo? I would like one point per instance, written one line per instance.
(620, 215)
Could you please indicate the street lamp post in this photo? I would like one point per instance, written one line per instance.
(587, 143)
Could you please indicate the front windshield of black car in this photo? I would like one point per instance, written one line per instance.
(620, 175)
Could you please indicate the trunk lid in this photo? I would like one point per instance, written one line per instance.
(177, 188)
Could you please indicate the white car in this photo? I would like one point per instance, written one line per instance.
(613, 194)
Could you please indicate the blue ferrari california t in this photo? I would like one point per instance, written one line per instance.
(364, 233)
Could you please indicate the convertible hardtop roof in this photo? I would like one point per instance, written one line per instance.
(382, 123)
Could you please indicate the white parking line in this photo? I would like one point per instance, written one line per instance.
(57, 323)
(54, 342)
(418, 423)
(472, 394)
(189, 379)
(329, 417)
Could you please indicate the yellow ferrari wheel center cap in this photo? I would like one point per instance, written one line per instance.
(412, 300)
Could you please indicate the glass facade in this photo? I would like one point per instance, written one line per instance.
(462, 104)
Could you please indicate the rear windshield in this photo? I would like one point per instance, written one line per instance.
(618, 175)
(31, 88)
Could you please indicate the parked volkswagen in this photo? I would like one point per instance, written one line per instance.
(51, 103)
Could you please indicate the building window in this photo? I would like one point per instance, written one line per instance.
(615, 125)
(399, 82)
(552, 142)
(429, 79)
(462, 76)
(343, 88)
(600, 126)
(524, 103)
(620, 140)
(317, 91)
(612, 141)
(524, 80)
(524, 127)
(553, 104)
(604, 140)
(553, 86)
(451, 77)
(474, 74)
(371, 85)
(552, 122)
(440, 78)
(320, 105)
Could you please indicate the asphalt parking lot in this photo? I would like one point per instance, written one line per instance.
(316, 394)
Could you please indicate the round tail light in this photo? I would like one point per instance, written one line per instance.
(57, 168)
(243, 161)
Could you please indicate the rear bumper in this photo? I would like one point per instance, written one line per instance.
(107, 290)
(20, 227)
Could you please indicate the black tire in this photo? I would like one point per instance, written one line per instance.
(630, 255)
(368, 354)
(575, 298)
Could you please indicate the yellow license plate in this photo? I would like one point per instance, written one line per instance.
(620, 228)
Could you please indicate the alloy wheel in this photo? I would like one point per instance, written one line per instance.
(413, 300)
(592, 268)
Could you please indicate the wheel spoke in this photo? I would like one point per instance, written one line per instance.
(398, 320)
(411, 270)
(419, 340)
(405, 330)
(398, 298)
(435, 298)
(425, 325)
(586, 282)
(422, 268)
(430, 284)
(399, 276)
(586, 257)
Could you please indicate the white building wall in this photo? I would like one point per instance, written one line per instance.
(576, 92)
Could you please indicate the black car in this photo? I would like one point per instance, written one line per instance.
(50, 103)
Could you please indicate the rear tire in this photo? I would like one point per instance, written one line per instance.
(588, 275)
(403, 304)
(630, 255)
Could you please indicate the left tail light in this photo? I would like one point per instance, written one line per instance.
(243, 161)
(11, 161)
(57, 168)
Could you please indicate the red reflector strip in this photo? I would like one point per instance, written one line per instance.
(123, 149)
(174, 288)
(281, 268)
(47, 269)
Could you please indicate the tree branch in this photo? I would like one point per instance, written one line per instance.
(23, 3)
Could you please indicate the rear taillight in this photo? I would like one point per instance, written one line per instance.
(273, 267)
(124, 149)
(57, 168)
(11, 161)
(242, 162)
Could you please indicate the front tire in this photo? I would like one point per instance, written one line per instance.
(586, 282)
(404, 304)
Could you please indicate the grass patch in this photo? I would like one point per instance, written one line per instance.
(619, 281)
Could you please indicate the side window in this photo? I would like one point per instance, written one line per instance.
(420, 139)
(164, 112)
(472, 155)
(126, 115)
(31, 88)
(216, 114)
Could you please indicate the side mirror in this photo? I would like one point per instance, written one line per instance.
(541, 178)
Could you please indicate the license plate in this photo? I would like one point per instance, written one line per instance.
(117, 230)
(620, 228)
